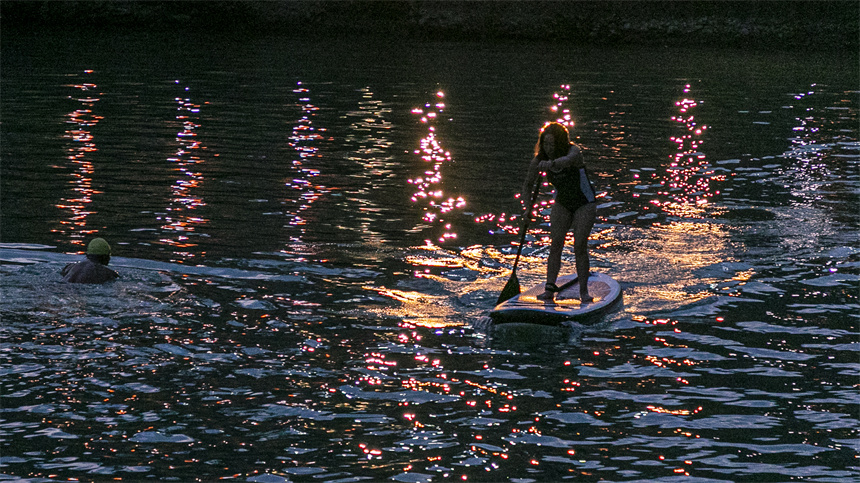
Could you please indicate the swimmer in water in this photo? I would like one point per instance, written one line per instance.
(93, 269)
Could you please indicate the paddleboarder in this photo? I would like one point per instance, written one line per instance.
(574, 205)
(93, 269)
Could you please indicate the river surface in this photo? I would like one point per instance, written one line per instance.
(310, 236)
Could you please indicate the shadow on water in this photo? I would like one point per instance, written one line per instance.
(537, 339)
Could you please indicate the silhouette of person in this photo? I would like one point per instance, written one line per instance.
(574, 206)
(93, 269)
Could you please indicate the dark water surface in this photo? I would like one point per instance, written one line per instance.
(309, 236)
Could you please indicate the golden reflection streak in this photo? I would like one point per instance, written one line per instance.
(687, 181)
(562, 96)
(666, 361)
(468, 259)
(418, 309)
(421, 309)
(404, 296)
(178, 221)
(436, 262)
(675, 412)
(688, 247)
(431, 322)
(82, 146)
(428, 184)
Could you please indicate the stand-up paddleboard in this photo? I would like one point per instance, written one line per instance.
(527, 308)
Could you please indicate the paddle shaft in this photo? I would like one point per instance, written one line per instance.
(526, 221)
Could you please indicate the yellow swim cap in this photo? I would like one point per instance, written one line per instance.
(98, 247)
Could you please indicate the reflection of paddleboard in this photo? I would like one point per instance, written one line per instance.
(527, 308)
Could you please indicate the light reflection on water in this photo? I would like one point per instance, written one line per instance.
(327, 356)
(371, 145)
(305, 137)
(688, 175)
(438, 207)
(79, 130)
(180, 224)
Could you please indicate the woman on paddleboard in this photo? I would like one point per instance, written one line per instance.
(574, 205)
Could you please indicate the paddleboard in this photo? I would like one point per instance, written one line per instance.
(528, 309)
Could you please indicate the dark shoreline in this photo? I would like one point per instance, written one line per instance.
(781, 25)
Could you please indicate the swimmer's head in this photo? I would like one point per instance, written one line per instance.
(98, 247)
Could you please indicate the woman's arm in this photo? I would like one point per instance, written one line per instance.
(531, 176)
(573, 158)
(66, 269)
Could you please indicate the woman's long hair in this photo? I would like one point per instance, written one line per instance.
(561, 138)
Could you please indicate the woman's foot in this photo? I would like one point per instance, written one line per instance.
(585, 298)
(550, 289)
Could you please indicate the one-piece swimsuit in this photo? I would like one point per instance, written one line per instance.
(573, 189)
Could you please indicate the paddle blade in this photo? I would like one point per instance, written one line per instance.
(511, 290)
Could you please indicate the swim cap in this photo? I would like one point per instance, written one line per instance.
(98, 247)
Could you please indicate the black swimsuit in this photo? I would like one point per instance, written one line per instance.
(573, 189)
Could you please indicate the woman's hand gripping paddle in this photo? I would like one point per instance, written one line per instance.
(512, 288)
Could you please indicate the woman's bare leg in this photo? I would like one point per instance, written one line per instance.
(560, 220)
(583, 222)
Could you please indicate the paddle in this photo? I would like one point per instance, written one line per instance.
(512, 288)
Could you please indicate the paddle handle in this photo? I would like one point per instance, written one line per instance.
(527, 219)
